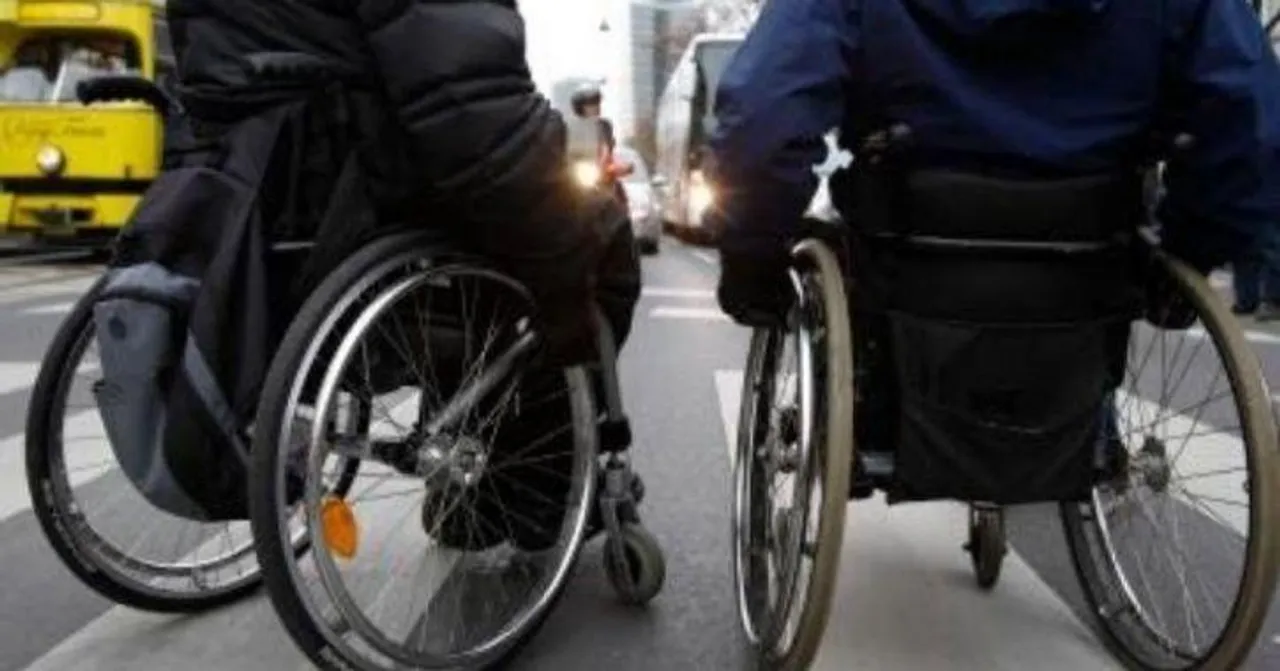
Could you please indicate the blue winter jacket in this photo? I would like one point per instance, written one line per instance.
(1054, 87)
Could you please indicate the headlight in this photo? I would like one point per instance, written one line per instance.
(701, 197)
(51, 160)
(587, 173)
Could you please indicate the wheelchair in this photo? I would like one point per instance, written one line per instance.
(1024, 368)
(408, 388)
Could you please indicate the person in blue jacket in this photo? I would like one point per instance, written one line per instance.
(1014, 87)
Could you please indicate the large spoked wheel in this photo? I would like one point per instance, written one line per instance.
(1177, 549)
(476, 476)
(793, 463)
(101, 527)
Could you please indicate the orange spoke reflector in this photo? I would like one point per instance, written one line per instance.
(338, 524)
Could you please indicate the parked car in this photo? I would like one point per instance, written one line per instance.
(646, 220)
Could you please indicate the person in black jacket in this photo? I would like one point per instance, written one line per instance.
(474, 147)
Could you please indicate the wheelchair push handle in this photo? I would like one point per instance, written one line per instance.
(120, 88)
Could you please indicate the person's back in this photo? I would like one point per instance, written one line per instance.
(1017, 88)
(1021, 87)
(454, 131)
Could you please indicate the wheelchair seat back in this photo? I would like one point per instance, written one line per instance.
(973, 248)
(990, 311)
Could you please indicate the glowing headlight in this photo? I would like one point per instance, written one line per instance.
(50, 160)
(701, 197)
(587, 173)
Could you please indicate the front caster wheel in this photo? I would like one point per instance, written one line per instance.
(635, 565)
(987, 545)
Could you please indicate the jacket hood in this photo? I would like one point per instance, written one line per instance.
(1006, 23)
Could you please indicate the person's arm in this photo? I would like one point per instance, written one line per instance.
(490, 149)
(1223, 194)
(783, 90)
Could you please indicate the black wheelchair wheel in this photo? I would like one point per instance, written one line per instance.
(987, 544)
(1201, 474)
(106, 533)
(478, 520)
(796, 433)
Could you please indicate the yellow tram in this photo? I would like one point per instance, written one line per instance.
(70, 173)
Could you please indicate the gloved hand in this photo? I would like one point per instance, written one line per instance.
(754, 288)
(556, 258)
(1166, 305)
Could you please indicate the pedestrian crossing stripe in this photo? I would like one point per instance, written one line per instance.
(896, 559)
(50, 309)
(37, 290)
(17, 376)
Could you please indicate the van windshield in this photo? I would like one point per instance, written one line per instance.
(47, 68)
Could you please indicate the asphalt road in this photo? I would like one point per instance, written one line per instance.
(906, 597)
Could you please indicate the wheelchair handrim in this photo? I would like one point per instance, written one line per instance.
(583, 495)
(833, 460)
(1087, 527)
(100, 553)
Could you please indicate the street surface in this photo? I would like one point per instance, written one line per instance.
(907, 598)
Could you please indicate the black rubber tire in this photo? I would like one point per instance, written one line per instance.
(272, 554)
(833, 461)
(44, 404)
(987, 546)
(637, 576)
(1258, 424)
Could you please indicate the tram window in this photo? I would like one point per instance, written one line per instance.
(47, 67)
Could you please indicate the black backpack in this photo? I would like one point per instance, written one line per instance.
(190, 313)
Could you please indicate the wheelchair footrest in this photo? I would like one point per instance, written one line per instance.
(615, 435)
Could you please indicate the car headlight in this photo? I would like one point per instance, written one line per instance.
(51, 160)
(701, 197)
(587, 173)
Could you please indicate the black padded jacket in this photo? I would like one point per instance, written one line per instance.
(487, 151)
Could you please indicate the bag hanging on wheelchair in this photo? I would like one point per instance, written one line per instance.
(1002, 303)
(182, 324)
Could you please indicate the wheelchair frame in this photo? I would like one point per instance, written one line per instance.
(787, 630)
(633, 559)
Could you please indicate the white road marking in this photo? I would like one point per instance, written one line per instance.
(1214, 452)
(10, 295)
(676, 292)
(703, 314)
(248, 634)
(897, 558)
(706, 257)
(52, 309)
(17, 376)
(86, 460)
(729, 395)
(1255, 337)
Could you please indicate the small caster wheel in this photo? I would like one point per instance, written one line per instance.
(987, 545)
(637, 570)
